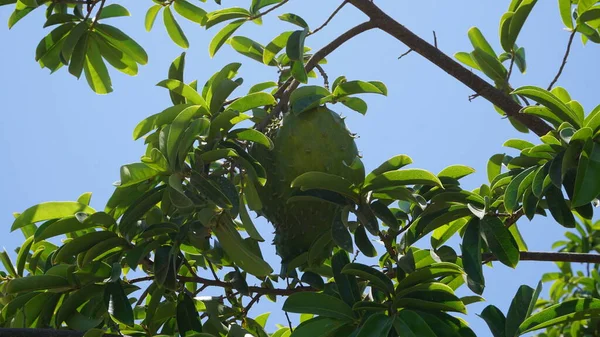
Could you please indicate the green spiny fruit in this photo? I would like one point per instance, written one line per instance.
(315, 140)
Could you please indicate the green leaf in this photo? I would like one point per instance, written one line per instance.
(184, 90)
(567, 311)
(234, 246)
(18, 14)
(318, 304)
(132, 174)
(471, 250)
(211, 191)
(77, 299)
(173, 29)
(517, 312)
(401, 178)
(565, 12)
(456, 171)
(189, 11)
(257, 88)
(248, 224)
(363, 242)
(95, 70)
(518, 20)
(299, 72)
(340, 234)
(65, 225)
(392, 164)
(377, 325)
(187, 315)
(495, 320)
(512, 195)
(36, 282)
(113, 11)
(587, 182)
(116, 58)
(410, 324)
(359, 87)
(23, 254)
(251, 135)
(122, 42)
(248, 47)
(81, 244)
(494, 166)
(374, 276)
(48, 211)
(347, 284)
(355, 104)
(176, 73)
(252, 101)
(549, 100)
(318, 326)
(294, 19)
(221, 37)
(428, 273)
(226, 14)
(558, 207)
(295, 45)
(320, 180)
(429, 296)
(500, 241)
(479, 42)
(72, 40)
(275, 46)
(489, 65)
(151, 16)
(117, 303)
(466, 59)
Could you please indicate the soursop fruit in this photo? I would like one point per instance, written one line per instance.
(315, 140)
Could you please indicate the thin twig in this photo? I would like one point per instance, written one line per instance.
(329, 18)
(212, 270)
(284, 92)
(254, 17)
(564, 61)
(510, 68)
(97, 14)
(405, 53)
(450, 66)
(324, 75)
(435, 40)
(251, 289)
(141, 279)
(250, 304)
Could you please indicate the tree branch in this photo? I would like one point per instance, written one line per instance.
(329, 18)
(290, 85)
(453, 68)
(12, 332)
(564, 61)
(252, 289)
(552, 257)
(267, 11)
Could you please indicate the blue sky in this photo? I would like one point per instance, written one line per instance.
(59, 139)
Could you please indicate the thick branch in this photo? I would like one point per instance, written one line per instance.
(44, 333)
(553, 257)
(286, 90)
(453, 68)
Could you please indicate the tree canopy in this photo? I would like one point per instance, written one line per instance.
(180, 223)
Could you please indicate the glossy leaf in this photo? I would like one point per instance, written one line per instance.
(49, 210)
(500, 241)
(318, 304)
(221, 37)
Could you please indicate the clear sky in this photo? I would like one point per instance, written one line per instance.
(59, 139)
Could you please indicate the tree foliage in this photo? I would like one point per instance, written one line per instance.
(184, 211)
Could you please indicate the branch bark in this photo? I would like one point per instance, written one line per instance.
(553, 257)
(453, 68)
